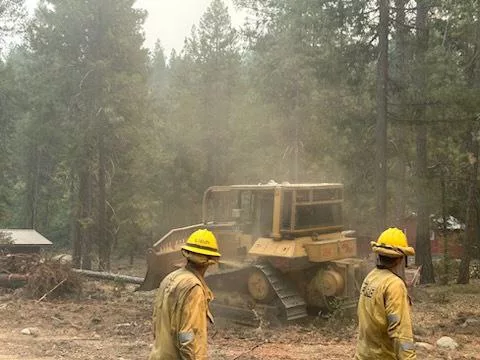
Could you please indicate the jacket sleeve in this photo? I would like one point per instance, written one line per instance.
(192, 327)
(154, 320)
(397, 306)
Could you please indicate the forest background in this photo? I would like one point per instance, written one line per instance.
(106, 146)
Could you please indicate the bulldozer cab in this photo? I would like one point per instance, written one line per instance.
(280, 211)
(250, 210)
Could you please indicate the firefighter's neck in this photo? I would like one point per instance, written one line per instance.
(396, 266)
(399, 268)
(200, 268)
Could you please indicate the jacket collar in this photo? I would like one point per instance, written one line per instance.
(200, 277)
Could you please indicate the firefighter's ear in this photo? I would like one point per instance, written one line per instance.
(212, 260)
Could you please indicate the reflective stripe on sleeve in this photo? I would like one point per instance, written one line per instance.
(393, 319)
(185, 337)
(407, 346)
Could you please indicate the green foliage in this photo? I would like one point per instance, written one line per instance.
(5, 238)
(12, 20)
(446, 269)
(107, 147)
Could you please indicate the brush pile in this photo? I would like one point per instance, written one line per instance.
(43, 277)
(51, 279)
(19, 263)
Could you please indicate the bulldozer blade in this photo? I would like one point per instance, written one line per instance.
(151, 282)
(159, 265)
(234, 314)
(245, 316)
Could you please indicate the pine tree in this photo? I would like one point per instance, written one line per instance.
(98, 47)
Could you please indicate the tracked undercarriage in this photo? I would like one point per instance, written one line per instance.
(261, 293)
(284, 253)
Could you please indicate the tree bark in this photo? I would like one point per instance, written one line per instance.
(77, 244)
(381, 126)
(76, 231)
(423, 247)
(446, 258)
(32, 188)
(104, 243)
(400, 134)
(109, 276)
(85, 220)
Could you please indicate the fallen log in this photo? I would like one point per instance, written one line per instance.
(13, 280)
(19, 280)
(109, 276)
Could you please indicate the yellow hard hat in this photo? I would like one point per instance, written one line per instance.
(393, 237)
(202, 242)
(393, 243)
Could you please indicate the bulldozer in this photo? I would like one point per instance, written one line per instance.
(284, 251)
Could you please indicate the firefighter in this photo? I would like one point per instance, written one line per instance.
(181, 306)
(385, 326)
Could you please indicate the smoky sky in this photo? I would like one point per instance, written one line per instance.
(170, 21)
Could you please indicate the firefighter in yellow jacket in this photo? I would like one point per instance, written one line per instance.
(385, 326)
(181, 307)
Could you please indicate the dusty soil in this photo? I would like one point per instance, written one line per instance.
(109, 321)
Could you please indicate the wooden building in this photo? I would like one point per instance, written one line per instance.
(453, 235)
(22, 241)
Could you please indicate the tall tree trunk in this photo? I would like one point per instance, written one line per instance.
(88, 240)
(471, 219)
(32, 189)
(103, 242)
(381, 126)
(76, 231)
(86, 219)
(423, 248)
(446, 259)
(400, 134)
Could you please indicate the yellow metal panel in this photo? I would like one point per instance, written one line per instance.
(347, 248)
(277, 213)
(328, 250)
(280, 248)
(322, 251)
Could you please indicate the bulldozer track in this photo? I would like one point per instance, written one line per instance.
(293, 304)
(287, 301)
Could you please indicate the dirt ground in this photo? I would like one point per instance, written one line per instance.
(109, 321)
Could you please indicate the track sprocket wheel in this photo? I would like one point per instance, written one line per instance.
(259, 287)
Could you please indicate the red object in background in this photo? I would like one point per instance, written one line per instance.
(455, 248)
(409, 227)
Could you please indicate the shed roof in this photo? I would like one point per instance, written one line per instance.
(24, 237)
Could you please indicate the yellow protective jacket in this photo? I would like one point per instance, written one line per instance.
(180, 317)
(385, 326)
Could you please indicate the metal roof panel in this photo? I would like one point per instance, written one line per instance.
(25, 237)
